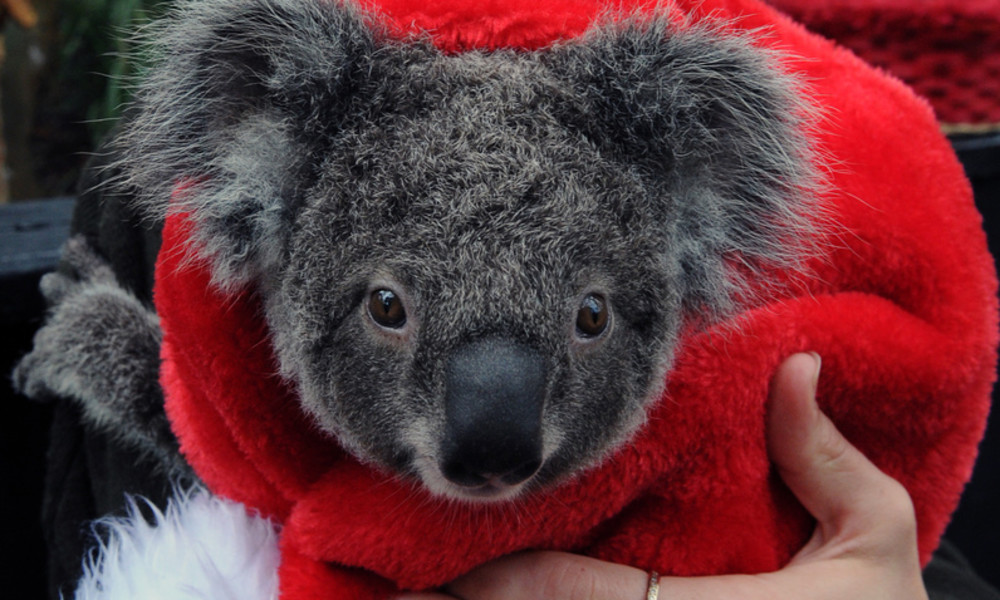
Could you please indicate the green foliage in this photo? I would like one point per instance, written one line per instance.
(97, 59)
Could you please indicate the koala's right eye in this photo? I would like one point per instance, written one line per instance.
(386, 309)
(592, 318)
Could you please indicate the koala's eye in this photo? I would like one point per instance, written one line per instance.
(386, 309)
(592, 318)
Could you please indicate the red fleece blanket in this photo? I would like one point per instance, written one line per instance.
(902, 309)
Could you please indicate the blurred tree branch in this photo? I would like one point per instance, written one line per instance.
(21, 11)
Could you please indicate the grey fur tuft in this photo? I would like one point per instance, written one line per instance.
(716, 122)
(241, 92)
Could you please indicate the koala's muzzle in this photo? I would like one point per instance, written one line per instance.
(493, 407)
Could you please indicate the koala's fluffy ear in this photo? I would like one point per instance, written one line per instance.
(239, 93)
(717, 125)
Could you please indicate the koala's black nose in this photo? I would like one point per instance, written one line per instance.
(493, 407)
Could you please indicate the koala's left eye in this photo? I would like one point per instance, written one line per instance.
(592, 318)
(386, 309)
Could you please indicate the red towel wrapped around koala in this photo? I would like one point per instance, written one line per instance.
(897, 294)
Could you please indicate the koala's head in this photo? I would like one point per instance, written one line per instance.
(475, 267)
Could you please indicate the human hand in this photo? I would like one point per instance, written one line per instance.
(864, 545)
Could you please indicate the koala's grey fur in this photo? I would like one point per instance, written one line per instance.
(100, 346)
(656, 165)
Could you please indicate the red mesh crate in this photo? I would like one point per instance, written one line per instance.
(948, 51)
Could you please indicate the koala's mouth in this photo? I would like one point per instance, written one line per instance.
(489, 486)
(491, 491)
(453, 481)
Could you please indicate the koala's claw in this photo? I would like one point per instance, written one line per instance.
(86, 263)
(56, 286)
(26, 379)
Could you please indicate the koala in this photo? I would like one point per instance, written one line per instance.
(476, 267)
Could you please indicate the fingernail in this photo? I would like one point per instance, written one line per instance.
(819, 367)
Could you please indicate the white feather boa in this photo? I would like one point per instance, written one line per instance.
(201, 547)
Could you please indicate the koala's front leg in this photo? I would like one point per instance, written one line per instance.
(100, 346)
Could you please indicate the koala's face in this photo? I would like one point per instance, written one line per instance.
(477, 295)
(474, 266)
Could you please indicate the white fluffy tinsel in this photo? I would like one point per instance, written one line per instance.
(201, 547)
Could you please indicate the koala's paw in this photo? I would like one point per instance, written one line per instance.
(100, 346)
(29, 380)
(99, 342)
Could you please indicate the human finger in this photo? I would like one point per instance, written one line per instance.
(552, 576)
(852, 500)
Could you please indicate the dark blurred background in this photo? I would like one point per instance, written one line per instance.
(64, 76)
(63, 80)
